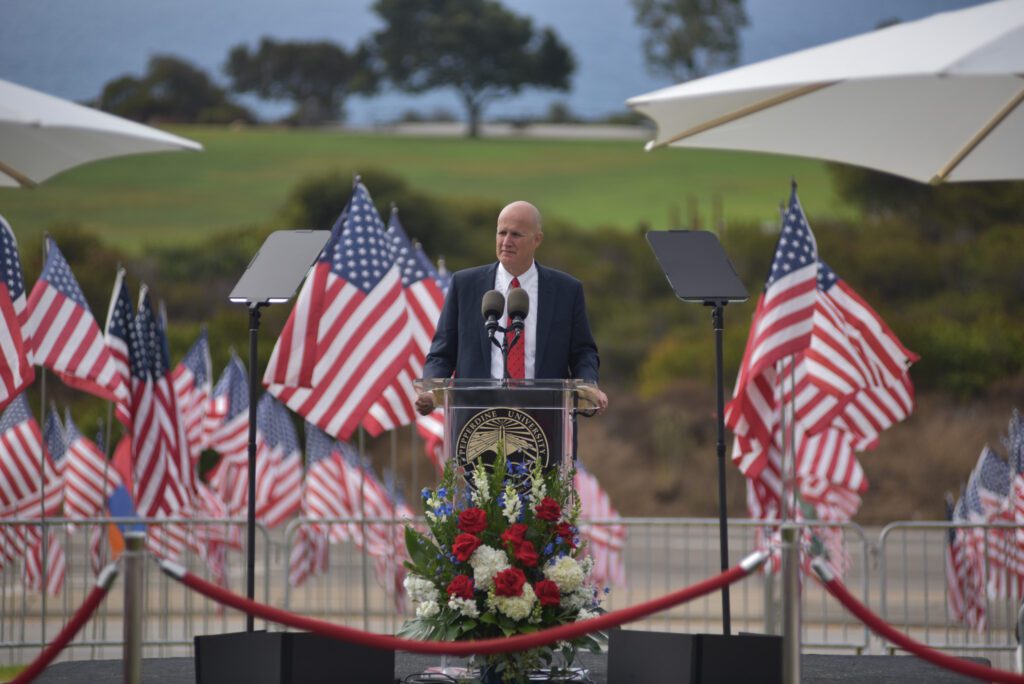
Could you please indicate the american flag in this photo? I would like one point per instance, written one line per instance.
(55, 562)
(120, 339)
(63, 335)
(309, 555)
(1014, 443)
(192, 379)
(163, 486)
(325, 495)
(838, 386)
(227, 433)
(278, 463)
(969, 562)
(782, 325)
(16, 371)
(89, 479)
(346, 339)
(990, 483)
(396, 406)
(22, 457)
(606, 540)
(431, 426)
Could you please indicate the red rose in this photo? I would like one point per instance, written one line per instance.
(472, 520)
(526, 554)
(549, 509)
(464, 546)
(547, 592)
(514, 535)
(565, 532)
(461, 587)
(509, 582)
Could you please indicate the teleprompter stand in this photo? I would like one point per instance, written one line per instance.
(272, 277)
(698, 270)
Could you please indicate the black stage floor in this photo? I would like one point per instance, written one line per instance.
(814, 669)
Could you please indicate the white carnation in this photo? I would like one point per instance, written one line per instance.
(586, 615)
(487, 562)
(575, 600)
(566, 573)
(465, 607)
(427, 609)
(515, 607)
(420, 589)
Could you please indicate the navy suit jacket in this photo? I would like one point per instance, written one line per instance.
(565, 345)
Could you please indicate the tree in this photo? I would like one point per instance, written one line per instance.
(688, 38)
(316, 77)
(477, 47)
(170, 90)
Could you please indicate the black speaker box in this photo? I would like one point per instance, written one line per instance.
(663, 658)
(288, 658)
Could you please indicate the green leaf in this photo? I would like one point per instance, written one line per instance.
(422, 551)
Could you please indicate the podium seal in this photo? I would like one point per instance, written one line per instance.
(523, 438)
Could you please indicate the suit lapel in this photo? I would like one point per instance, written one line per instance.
(484, 283)
(545, 311)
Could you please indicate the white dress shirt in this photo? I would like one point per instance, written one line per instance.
(502, 283)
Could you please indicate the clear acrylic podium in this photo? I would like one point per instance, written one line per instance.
(533, 419)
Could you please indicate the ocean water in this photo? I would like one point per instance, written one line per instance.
(71, 49)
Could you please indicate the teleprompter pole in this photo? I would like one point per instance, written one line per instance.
(723, 530)
(254, 379)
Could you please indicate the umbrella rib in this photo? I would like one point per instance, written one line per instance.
(976, 139)
(745, 111)
(21, 178)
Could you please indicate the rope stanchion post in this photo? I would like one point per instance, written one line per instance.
(1020, 639)
(134, 556)
(790, 603)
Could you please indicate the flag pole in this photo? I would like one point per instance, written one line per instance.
(790, 531)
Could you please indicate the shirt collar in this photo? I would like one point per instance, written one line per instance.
(503, 278)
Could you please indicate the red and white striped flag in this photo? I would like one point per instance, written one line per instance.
(278, 463)
(119, 335)
(227, 432)
(62, 334)
(192, 379)
(606, 540)
(346, 339)
(88, 476)
(22, 457)
(16, 372)
(397, 404)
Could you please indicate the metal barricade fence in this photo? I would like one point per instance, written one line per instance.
(915, 572)
(661, 555)
(172, 615)
(908, 583)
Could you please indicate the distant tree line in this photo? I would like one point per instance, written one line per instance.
(478, 48)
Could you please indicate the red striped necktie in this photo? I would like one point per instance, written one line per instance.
(516, 355)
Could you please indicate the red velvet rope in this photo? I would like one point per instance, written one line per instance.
(887, 631)
(521, 642)
(81, 616)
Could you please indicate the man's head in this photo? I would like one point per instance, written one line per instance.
(518, 236)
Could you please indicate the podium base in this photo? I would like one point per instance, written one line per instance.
(659, 658)
(288, 658)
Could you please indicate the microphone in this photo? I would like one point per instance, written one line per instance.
(491, 307)
(518, 306)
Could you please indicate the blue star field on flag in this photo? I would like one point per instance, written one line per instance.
(15, 414)
(54, 436)
(276, 425)
(9, 261)
(234, 385)
(57, 272)
(195, 358)
(796, 247)
(359, 252)
(319, 445)
(411, 267)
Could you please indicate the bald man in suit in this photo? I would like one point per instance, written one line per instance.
(559, 343)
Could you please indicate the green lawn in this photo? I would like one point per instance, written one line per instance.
(244, 176)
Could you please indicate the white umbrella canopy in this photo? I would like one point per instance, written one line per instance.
(42, 135)
(935, 100)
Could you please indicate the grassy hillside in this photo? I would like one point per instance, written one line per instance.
(244, 176)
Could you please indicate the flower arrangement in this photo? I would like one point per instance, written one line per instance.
(500, 558)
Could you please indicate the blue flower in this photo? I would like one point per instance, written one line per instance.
(549, 549)
(425, 493)
(442, 492)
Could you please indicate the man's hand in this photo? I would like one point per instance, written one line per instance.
(595, 396)
(425, 403)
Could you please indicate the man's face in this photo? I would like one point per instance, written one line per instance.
(518, 237)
